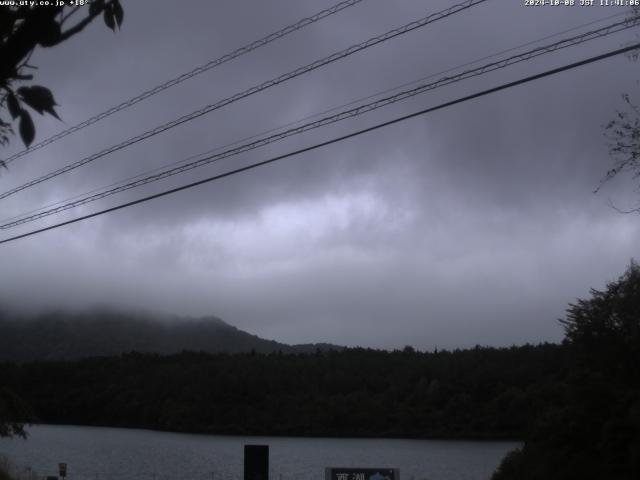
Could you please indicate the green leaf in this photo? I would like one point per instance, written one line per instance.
(13, 105)
(109, 17)
(118, 12)
(27, 129)
(49, 33)
(96, 7)
(51, 111)
(39, 98)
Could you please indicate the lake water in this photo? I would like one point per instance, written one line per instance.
(124, 454)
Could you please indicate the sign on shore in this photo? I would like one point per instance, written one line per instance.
(335, 473)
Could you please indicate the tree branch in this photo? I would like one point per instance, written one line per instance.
(78, 27)
(69, 15)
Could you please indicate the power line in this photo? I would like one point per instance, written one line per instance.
(308, 117)
(270, 83)
(525, 56)
(185, 76)
(334, 140)
(332, 119)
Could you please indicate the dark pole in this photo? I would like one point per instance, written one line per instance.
(256, 462)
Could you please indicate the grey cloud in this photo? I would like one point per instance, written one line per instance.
(475, 224)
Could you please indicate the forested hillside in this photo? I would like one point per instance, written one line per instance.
(57, 335)
(476, 393)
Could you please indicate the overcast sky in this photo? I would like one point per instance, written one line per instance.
(476, 224)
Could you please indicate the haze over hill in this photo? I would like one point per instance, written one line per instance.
(58, 334)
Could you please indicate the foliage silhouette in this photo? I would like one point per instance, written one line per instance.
(623, 136)
(22, 29)
(595, 433)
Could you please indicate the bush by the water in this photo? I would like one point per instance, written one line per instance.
(5, 469)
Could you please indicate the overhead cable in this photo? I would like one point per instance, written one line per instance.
(309, 117)
(332, 141)
(185, 76)
(536, 52)
(253, 90)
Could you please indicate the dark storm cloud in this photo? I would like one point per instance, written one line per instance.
(475, 224)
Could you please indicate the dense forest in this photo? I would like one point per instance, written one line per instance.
(477, 393)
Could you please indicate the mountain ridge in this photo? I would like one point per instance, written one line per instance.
(63, 335)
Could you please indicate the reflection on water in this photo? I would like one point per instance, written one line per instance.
(123, 454)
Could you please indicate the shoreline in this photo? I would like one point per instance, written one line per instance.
(469, 438)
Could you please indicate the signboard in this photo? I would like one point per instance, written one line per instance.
(333, 473)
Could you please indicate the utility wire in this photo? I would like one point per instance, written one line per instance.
(599, 33)
(185, 76)
(263, 86)
(309, 117)
(334, 140)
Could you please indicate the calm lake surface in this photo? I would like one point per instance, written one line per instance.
(123, 454)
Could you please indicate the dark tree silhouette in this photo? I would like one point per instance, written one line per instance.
(22, 29)
(595, 432)
(610, 318)
(13, 414)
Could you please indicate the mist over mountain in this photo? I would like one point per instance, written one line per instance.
(59, 334)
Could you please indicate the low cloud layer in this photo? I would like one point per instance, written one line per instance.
(473, 225)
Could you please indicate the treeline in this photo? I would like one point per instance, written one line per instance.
(475, 393)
